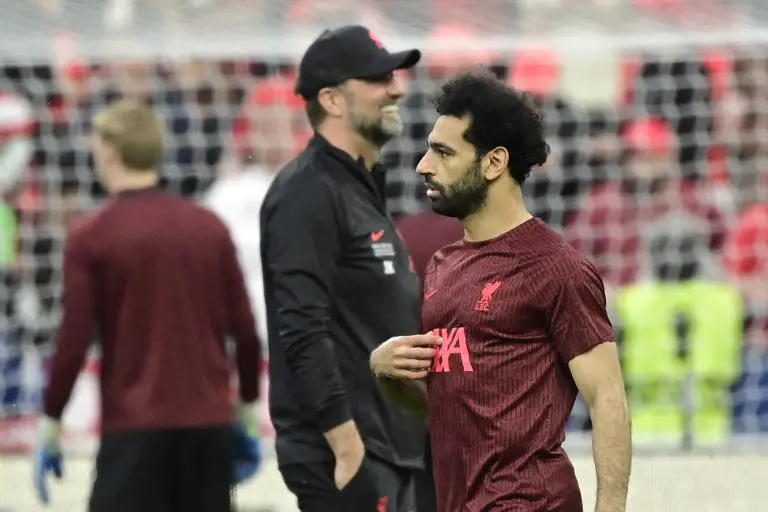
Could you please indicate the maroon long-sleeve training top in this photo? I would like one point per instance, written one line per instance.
(156, 279)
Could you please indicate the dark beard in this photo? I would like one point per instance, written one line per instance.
(462, 198)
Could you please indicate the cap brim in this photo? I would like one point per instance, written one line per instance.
(394, 61)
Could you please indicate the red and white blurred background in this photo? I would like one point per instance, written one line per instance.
(657, 112)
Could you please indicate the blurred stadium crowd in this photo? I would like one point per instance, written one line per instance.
(664, 185)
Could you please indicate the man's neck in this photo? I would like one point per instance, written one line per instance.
(352, 144)
(498, 216)
(134, 181)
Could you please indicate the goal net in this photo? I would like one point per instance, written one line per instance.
(657, 114)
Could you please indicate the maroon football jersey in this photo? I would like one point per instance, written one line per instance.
(512, 311)
(158, 278)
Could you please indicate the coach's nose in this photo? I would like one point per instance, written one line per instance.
(395, 88)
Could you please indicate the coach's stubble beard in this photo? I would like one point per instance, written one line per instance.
(462, 198)
(380, 129)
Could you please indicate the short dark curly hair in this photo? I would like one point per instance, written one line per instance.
(499, 117)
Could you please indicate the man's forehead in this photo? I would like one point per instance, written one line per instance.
(449, 130)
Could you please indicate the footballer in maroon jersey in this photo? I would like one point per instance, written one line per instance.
(521, 321)
(157, 281)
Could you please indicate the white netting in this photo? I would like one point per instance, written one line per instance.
(674, 90)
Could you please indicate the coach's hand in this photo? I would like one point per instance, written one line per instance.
(348, 450)
(405, 357)
(47, 456)
(247, 442)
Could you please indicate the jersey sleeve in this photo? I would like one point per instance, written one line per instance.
(242, 325)
(577, 315)
(77, 323)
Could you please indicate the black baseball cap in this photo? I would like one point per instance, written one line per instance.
(348, 52)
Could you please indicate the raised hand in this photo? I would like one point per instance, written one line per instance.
(405, 357)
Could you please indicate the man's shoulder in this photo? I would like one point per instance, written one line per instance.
(98, 219)
(88, 223)
(533, 242)
(448, 254)
(445, 259)
(304, 178)
(569, 261)
(200, 215)
(185, 211)
(551, 256)
(567, 268)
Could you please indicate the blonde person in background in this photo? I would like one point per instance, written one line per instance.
(157, 278)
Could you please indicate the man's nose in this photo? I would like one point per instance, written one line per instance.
(395, 88)
(423, 167)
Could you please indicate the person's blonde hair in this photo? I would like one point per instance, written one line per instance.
(135, 131)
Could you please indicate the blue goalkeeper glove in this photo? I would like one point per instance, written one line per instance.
(247, 442)
(47, 456)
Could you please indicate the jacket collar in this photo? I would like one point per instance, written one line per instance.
(373, 179)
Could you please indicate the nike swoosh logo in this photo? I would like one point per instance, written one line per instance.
(375, 237)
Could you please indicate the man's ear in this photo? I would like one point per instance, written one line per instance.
(332, 101)
(496, 163)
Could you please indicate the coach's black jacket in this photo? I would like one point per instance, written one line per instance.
(337, 283)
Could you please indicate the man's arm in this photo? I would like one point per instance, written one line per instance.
(401, 364)
(301, 242)
(76, 328)
(242, 325)
(598, 376)
(583, 335)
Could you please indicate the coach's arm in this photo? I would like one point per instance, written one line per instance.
(301, 243)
